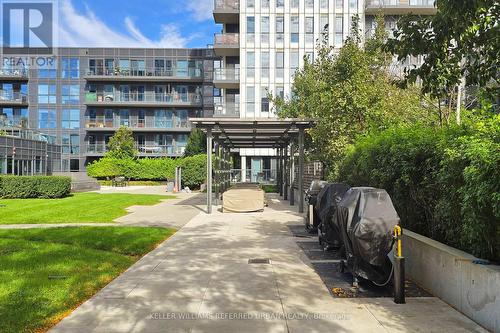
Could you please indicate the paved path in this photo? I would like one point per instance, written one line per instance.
(200, 281)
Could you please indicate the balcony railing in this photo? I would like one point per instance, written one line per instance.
(137, 123)
(383, 3)
(228, 40)
(145, 72)
(227, 74)
(266, 176)
(13, 97)
(146, 97)
(226, 5)
(153, 149)
(21, 73)
(228, 109)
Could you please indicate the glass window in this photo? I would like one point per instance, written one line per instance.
(353, 4)
(264, 61)
(264, 29)
(182, 68)
(294, 61)
(280, 28)
(339, 4)
(280, 91)
(309, 29)
(294, 4)
(250, 100)
(70, 119)
(339, 23)
(250, 3)
(47, 118)
(250, 29)
(70, 144)
(47, 72)
(70, 94)
(323, 22)
(323, 4)
(280, 3)
(264, 3)
(46, 93)
(294, 29)
(264, 99)
(280, 64)
(251, 65)
(70, 68)
(309, 4)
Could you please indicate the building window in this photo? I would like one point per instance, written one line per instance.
(13, 117)
(264, 4)
(47, 118)
(70, 119)
(47, 71)
(264, 29)
(71, 144)
(310, 57)
(309, 29)
(70, 68)
(339, 4)
(250, 3)
(250, 65)
(250, 100)
(294, 29)
(323, 4)
(294, 61)
(309, 4)
(280, 29)
(264, 61)
(353, 4)
(264, 100)
(46, 94)
(70, 94)
(339, 29)
(280, 3)
(294, 4)
(280, 92)
(181, 69)
(280, 64)
(250, 29)
(324, 26)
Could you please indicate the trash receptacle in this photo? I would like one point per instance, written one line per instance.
(170, 186)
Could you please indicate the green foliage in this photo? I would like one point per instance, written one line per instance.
(197, 143)
(193, 169)
(349, 94)
(269, 188)
(461, 40)
(122, 144)
(22, 187)
(445, 183)
(3, 133)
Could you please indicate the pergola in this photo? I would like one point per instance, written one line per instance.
(284, 135)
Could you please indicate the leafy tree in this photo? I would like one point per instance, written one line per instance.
(197, 143)
(349, 92)
(459, 42)
(121, 144)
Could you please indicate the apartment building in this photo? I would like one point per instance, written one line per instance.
(263, 42)
(86, 94)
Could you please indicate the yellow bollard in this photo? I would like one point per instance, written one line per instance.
(399, 267)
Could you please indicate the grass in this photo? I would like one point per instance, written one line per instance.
(80, 207)
(84, 259)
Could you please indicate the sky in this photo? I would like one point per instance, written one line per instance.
(136, 23)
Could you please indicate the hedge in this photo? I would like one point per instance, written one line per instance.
(22, 187)
(445, 183)
(156, 169)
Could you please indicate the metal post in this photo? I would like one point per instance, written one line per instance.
(180, 179)
(280, 171)
(209, 171)
(292, 173)
(285, 174)
(217, 171)
(399, 268)
(301, 170)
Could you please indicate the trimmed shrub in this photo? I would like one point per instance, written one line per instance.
(445, 183)
(194, 170)
(23, 187)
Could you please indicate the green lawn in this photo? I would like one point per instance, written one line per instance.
(83, 260)
(80, 207)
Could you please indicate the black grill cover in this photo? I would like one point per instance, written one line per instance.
(313, 190)
(366, 219)
(326, 205)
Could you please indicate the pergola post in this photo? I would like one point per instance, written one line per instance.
(280, 173)
(301, 170)
(292, 173)
(209, 170)
(217, 170)
(285, 173)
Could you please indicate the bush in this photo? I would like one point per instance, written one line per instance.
(22, 187)
(445, 183)
(151, 169)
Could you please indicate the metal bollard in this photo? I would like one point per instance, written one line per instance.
(399, 268)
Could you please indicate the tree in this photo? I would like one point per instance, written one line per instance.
(349, 92)
(121, 144)
(197, 143)
(459, 45)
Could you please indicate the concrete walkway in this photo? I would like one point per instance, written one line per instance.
(200, 281)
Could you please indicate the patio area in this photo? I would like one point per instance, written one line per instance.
(202, 280)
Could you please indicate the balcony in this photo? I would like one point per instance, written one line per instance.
(146, 99)
(157, 74)
(400, 7)
(13, 98)
(227, 78)
(226, 11)
(227, 44)
(227, 110)
(148, 124)
(13, 74)
(143, 150)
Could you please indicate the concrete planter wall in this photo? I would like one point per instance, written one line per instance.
(449, 274)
